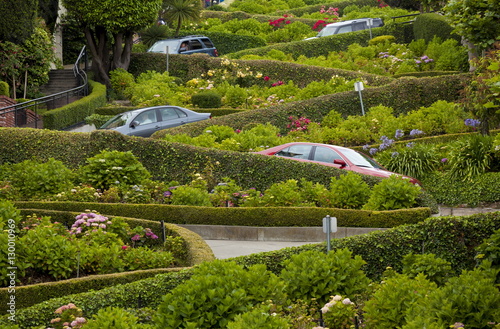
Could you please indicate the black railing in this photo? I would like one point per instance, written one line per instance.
(25, 114)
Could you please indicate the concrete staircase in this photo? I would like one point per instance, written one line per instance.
(59, 81)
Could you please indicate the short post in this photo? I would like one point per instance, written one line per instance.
(164, 237)
(370, 22)
(329, 226)
(358, 86)
(166, 52)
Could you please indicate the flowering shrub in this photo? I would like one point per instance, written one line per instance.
(110, 168)
(34, 179)
(393, 193)
(339, 313)
(299, 124)
(68, 317)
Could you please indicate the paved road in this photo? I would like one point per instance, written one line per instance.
(230, 248)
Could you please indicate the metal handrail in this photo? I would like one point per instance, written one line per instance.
(34, 103)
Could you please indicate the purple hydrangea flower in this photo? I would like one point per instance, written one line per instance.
(136, 237)
(399, 133)
(472, 123)
(416, 132)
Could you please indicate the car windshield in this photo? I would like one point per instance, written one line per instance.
(117, 121)
(360, 160)
(161, 46)
(327, 30)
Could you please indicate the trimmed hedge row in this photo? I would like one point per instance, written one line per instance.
(324, 45)
(450, 238)
(165, 161)
(30, 295)
(243, 216)
(403, 95)
(225, 16)
(76, 111)
(428, 25)
(139, 294)
(190, 67)
(197, 251)
(337, 4)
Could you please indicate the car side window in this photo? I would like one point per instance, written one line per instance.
(195, 44)
(325, 154)
(296, 151)
(180, 113)
(207, 43)
(359, 26)
(147, 117)
(168, 113)
(344, 29)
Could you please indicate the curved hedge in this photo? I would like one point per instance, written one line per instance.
(403, 95)
(429, 25)
(197, 251)
(165, 161)
(76, 111)
(324, 45)
(190, 67)
(243, 216)
(450, 238)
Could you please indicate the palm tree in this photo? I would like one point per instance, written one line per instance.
(178, 11)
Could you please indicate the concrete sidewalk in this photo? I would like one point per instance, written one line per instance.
(224, 249)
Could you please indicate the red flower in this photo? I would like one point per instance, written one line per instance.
(287, 22)
(266, 78)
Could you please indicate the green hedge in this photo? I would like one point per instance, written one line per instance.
(225, 16)
(426, 26)
(76, 111)
(324, 45)
(190, 67)
(197, 251)
(143, 293)
(165, 161)
(243, 216)
(30, 295)
(450, 238)
(403, 95)
(486, 189)
(337, 4)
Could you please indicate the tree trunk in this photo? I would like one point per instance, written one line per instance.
(471, 52)
(97, 41)
(122, 50)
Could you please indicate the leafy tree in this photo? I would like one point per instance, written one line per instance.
(476, 21)
(483, 92)
(118, 19)
(178, 11)
(18, 21)
(48, 10)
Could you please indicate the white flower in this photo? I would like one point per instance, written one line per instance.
(324, 309)
(337, 298)
(347, 301)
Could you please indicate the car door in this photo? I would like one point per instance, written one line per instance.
(172, 117)
(145, 124)
(325, 155)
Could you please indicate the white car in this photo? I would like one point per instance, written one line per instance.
(349, 26)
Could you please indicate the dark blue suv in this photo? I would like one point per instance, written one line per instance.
(187, 45)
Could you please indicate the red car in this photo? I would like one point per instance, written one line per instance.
(333, 156)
